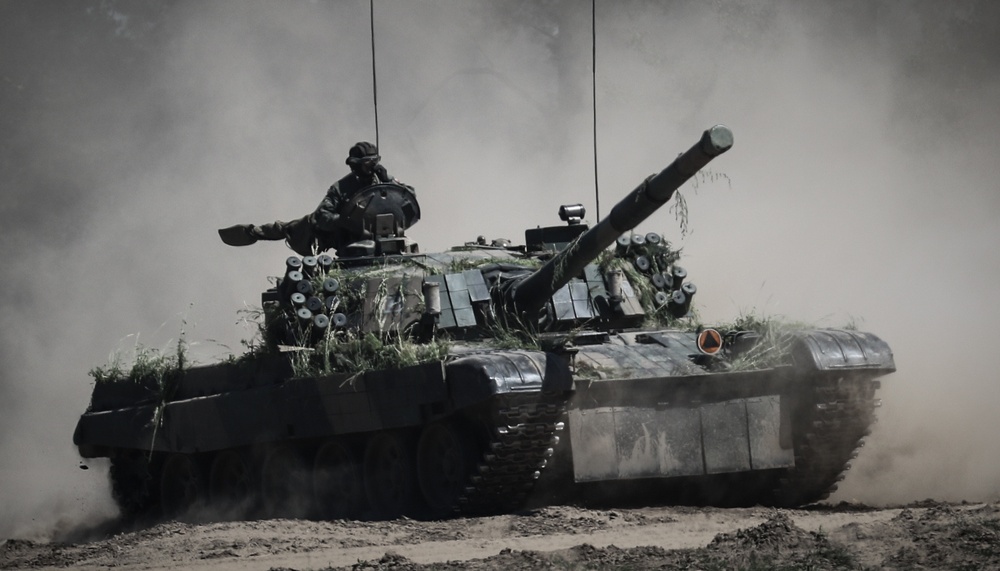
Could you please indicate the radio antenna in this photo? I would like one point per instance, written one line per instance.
(371, 11)
(593, 83)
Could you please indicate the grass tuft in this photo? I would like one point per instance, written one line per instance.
(143, 364)
(357, 352)
(773, 346)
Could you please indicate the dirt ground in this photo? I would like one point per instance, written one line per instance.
(927, 534)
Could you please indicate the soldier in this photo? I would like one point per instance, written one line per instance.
(363, 158)
(319, 230)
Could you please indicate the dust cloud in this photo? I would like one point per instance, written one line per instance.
(861, 188)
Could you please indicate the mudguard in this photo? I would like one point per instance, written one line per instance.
(836, 349)
(478, 377)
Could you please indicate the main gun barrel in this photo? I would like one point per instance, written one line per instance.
(532, 291)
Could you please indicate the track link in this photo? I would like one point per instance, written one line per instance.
(523, 435)
(833, 418)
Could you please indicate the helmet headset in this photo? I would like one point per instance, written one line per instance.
(363, 157)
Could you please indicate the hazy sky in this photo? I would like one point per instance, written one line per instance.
(862, 186)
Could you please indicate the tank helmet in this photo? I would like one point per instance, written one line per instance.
(363, 156)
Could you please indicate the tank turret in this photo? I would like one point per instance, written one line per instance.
(532, 291)
(373, 221)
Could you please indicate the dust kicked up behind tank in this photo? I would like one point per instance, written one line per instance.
(390, 382)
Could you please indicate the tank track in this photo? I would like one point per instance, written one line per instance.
(521, 434)
(134, 476)
(833, 417)
(522, 439)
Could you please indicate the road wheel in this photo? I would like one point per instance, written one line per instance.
(445, 460)
(284, 484)
(337, 483)
(232, 484)
(182, 485)
(390, 481)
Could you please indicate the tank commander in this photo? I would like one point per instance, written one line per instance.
(366, 170)
(319, 230)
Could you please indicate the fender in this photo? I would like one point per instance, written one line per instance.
(839, 350)
(478, 377)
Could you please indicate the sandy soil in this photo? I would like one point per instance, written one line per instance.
(930, 534)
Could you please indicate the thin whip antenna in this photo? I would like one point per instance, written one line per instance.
(371, 10)
(593, 83)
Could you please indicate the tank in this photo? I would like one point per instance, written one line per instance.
(391, 382)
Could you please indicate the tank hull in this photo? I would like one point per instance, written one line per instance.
(489, 418)
(489, 425)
